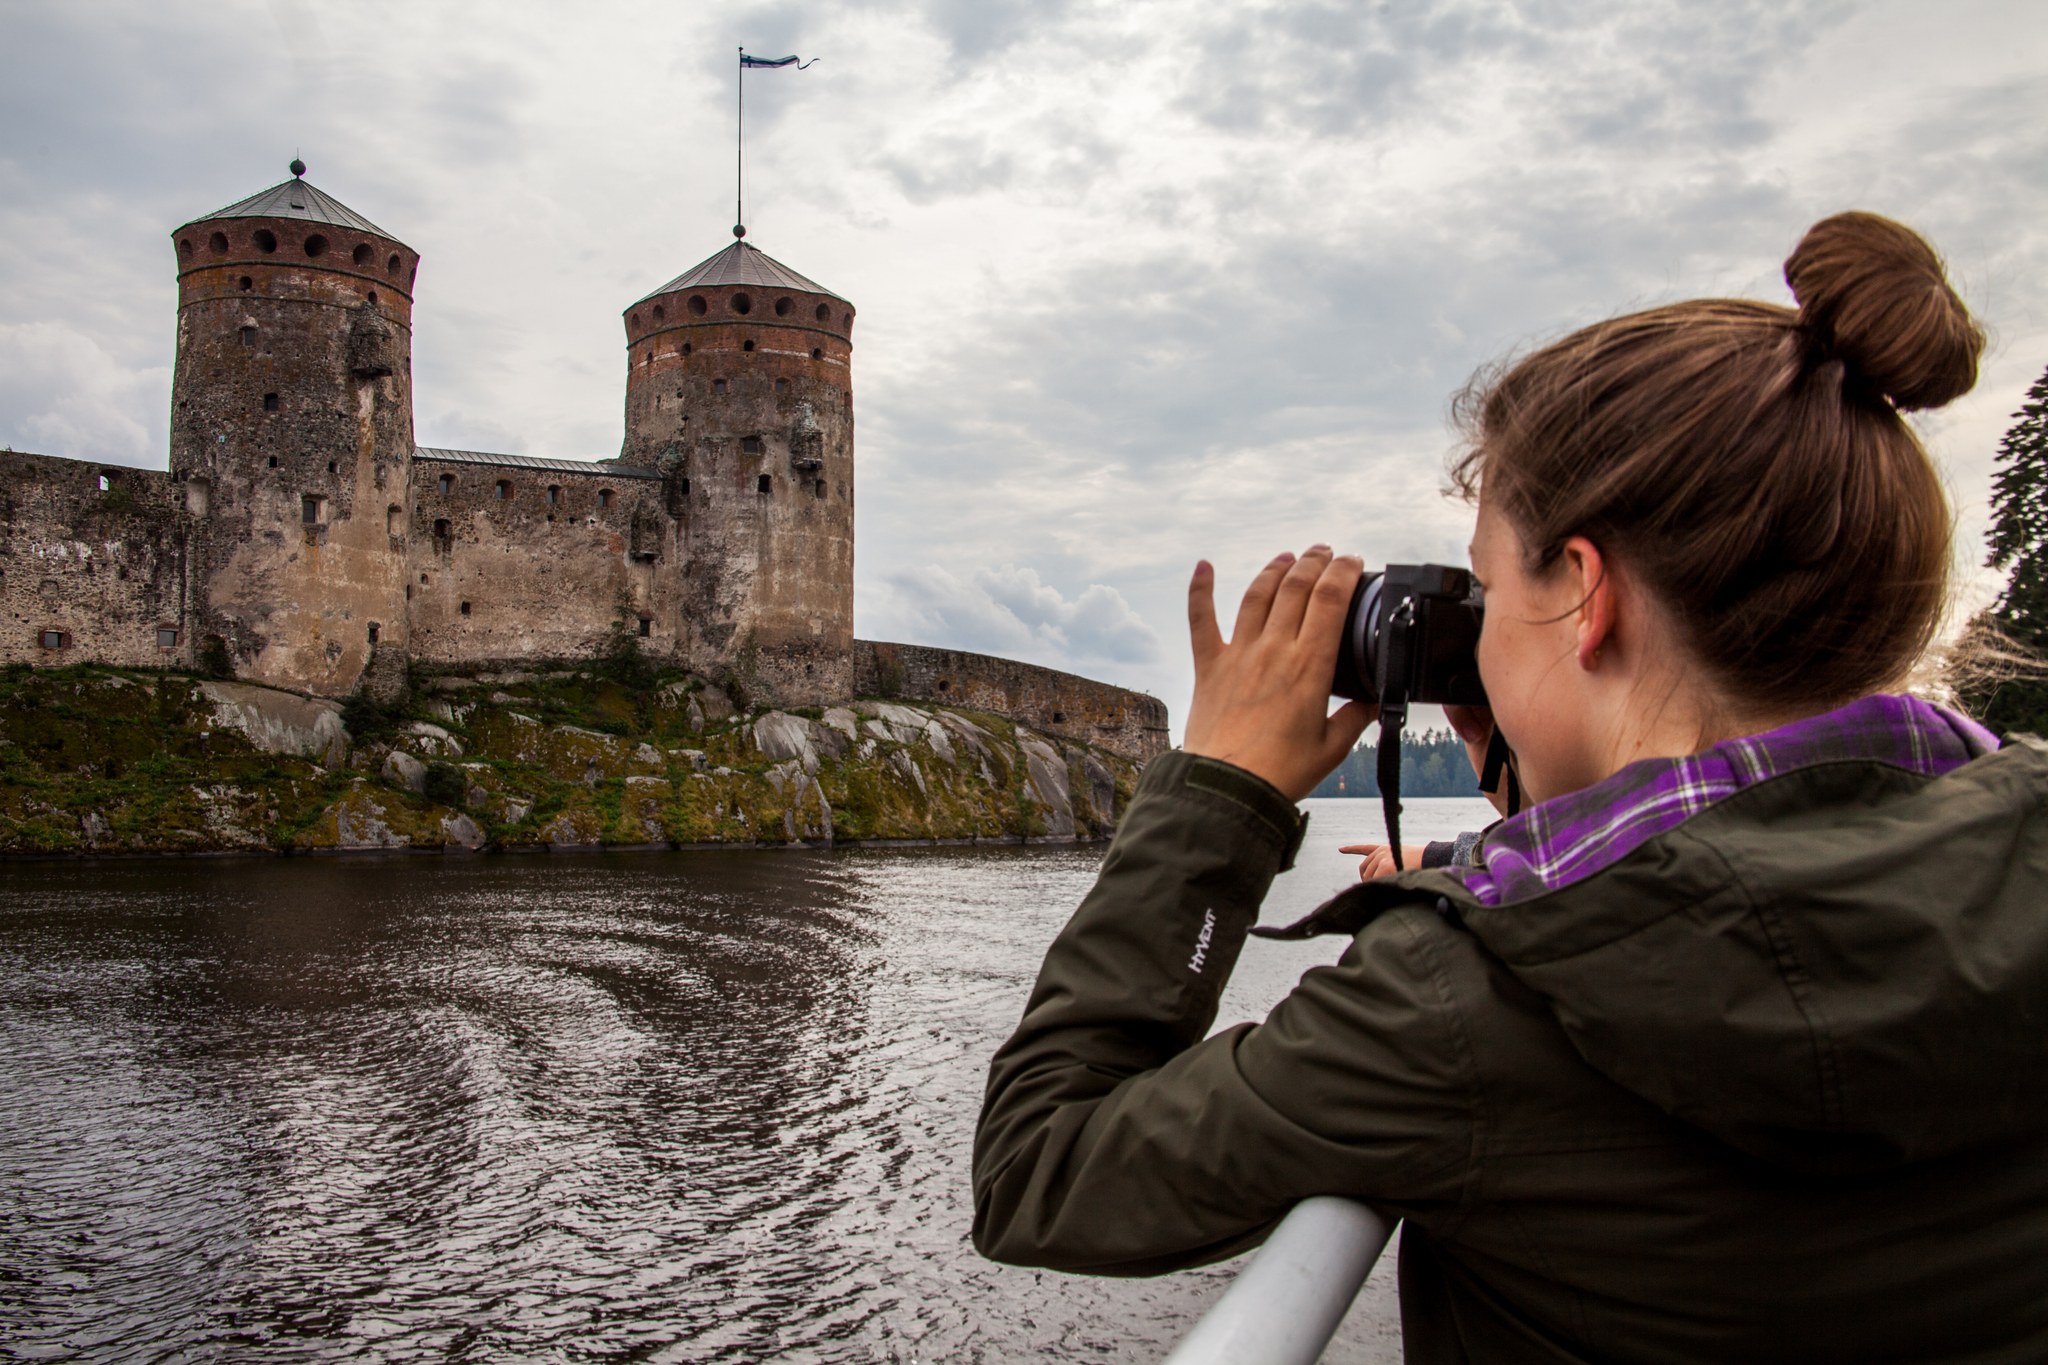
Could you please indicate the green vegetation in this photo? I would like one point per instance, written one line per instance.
(2004, 682)
(615, 752)
(1433, 763)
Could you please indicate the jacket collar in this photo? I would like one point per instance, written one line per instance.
(1565, 840)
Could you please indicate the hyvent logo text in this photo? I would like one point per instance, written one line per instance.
(1202, 942)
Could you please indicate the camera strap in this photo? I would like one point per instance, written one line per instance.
(1500, 763)
(1388, 770)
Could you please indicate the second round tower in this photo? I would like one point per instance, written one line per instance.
(739, 390)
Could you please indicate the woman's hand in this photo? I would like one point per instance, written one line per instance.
(1379, 859)
(1262, 700)
(1474, 725)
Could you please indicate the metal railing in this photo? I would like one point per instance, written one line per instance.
(1283, 1308)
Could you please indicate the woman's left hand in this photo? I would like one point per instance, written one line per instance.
(1262, 699)
(1378, 859)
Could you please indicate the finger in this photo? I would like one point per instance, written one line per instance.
(1342, 730)
(1361, 848)
(1202, 631)
(1258, 599)
(1293, 593)
(1322, 624)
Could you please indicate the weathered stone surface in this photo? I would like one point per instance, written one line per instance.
(779, 735)
(279, 722)
(401, 769)
(1047, 787)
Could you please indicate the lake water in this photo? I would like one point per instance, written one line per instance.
(634, 1107)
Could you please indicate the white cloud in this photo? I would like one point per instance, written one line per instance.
(61, 394)
(1009, 610)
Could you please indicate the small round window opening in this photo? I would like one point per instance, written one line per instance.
(316, 245)
(362, 255)
(218, 243)
(391, 265)
(266, 240)
(782, 307)
(247, 284)
(659, 312)
(697, 305)
(746, 345)
(686, 348)
(185, 247)
(742, 304)
(823, 313)
(817, 352)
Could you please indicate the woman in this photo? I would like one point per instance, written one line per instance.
(1734, 1045)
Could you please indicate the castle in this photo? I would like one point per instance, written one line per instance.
(301, 540)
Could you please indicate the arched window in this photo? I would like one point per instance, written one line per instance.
(266, 240)
(782, 307)
(698, 306)
(746, 345)
(391, 266)
(316, 245)
(824, 312)
(218, 243)
(362, 255)
(742, 304)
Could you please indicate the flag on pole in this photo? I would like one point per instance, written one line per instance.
(746, 60)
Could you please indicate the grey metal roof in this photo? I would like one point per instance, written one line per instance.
(741, 264)
(610, 469)
(296, 198)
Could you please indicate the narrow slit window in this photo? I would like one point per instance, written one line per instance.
(504, 490)
(646, 626)
(765, 484)
(604, 497)
(554, 495)
(447, 483)
(270, 402)
(373, 632)
(465, 608)
(718, 386)
(248, 336)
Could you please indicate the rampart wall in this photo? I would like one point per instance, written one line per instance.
(507, 563)
(93, 573)
(1129, 724)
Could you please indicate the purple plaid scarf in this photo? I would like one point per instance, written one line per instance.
(1570, 838)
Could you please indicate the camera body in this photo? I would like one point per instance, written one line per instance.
(1412, 635)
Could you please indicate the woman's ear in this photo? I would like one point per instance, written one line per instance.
(1593, 581)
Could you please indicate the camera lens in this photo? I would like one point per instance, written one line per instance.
(1358, 647)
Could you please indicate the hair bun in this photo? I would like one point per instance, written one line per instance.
(1873, 293)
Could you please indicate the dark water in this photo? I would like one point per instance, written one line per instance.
(683, 1107)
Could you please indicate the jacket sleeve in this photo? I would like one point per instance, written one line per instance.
(1114, 1139)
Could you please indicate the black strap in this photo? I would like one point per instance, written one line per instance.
(1388, 769)
(1500, 762)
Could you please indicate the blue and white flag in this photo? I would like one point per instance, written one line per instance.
(745, 60)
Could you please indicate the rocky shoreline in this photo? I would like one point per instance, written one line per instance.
(99, 761)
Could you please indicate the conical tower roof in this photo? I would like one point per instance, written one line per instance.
(741, 264)
(297, 198)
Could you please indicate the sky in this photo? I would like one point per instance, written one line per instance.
(1138, 282)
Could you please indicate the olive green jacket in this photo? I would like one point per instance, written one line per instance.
(1772, 1087)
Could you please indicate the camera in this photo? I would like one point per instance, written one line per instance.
(1411, 635)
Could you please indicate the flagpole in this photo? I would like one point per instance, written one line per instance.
(739, 173)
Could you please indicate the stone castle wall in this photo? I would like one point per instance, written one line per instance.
(88, 572)
(1129, 724)
(509, 563)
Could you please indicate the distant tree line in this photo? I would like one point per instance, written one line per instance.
(2005, 678)
(1433, 763)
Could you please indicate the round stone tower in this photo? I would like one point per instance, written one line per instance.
(291, 423)
(739, 389)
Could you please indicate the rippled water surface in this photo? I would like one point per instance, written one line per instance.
(662, 1107)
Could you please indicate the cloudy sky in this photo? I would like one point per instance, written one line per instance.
(1138, 281)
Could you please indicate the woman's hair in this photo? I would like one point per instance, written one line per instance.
(1747, 464)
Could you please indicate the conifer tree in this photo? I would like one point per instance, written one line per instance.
(2019, 544)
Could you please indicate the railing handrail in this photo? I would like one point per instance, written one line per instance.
(1283, 1308)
